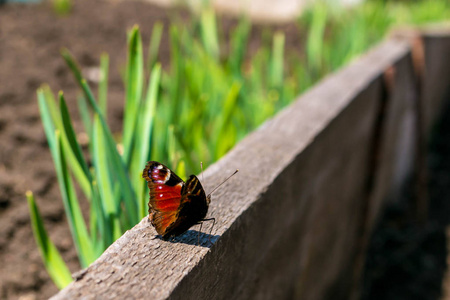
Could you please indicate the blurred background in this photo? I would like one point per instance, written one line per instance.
(178, 83)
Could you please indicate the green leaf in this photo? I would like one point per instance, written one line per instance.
(314, 45)
(238, 46)
(72, 64)
(117, 164)
(143, 137)
(111, 203)
(100, 230)
(76, 158)
(49, 126)
(223, 140)
(85, 118)
(77, 225)
(209, 32)
(134, 84)
(53, 261)
(119, 168)
(153, 48)
(176, 77)
(277, 62)
(103, 85)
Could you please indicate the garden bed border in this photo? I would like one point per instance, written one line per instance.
(294, 222)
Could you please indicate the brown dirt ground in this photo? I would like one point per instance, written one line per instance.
(30, 39)
(407, 259)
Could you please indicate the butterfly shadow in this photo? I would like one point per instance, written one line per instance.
(194, 238)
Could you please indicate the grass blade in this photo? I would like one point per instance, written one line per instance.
(53, 261)
(72, 64)
(224, 139)
(110, 201)
(144, 137)
(76, 158)
(209, 34)
(153, 48)
(277, 61)
(238, 45)
(314, 46)
(103, 84)
(86, 119)
(75, 218)
(176, 81)
(49, 126)
(134, 84)
(118, 166)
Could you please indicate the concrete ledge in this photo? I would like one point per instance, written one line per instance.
(292, 223)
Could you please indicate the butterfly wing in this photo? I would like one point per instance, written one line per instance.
(165, 196)
(193, 207)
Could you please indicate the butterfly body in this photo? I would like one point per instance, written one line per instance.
(174, 205)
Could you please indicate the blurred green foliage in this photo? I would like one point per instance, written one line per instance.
(62, 7)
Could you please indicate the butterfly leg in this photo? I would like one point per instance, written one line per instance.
(199, 231)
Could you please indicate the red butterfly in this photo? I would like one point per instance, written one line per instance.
(175, 206)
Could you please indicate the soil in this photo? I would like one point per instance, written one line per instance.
(406, 260)
(31, 37)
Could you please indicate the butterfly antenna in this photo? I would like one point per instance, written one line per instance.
(237, 170)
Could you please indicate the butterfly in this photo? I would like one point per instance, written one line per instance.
(175, 205)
